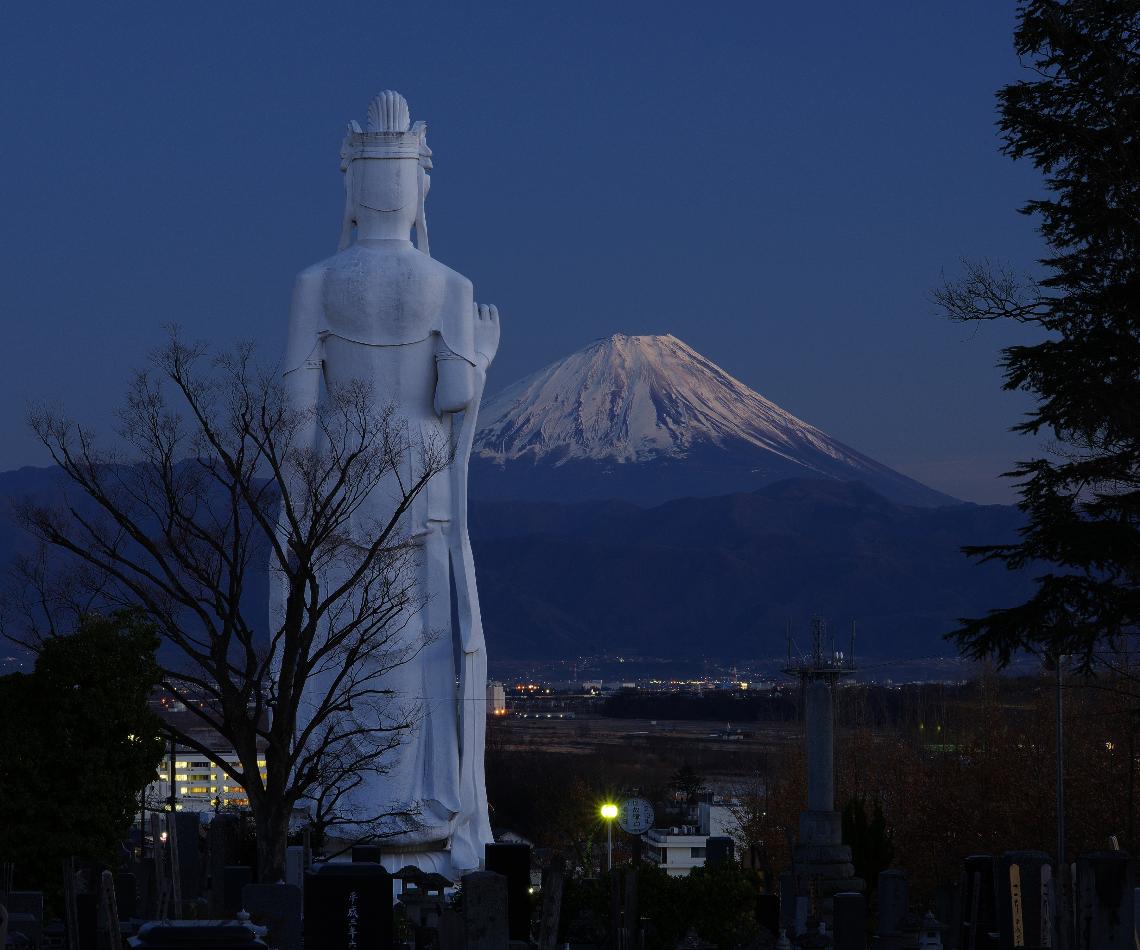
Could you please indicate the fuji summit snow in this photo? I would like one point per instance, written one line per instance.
(646, 419)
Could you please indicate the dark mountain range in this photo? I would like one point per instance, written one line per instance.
(723, 576)
(713, 577)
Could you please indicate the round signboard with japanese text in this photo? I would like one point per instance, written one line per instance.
(635, 816)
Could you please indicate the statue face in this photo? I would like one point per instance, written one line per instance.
(388, 185)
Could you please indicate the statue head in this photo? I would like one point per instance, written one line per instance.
(385, 167)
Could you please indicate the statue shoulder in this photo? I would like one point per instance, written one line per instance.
(453, 278)
(438, 273)
(313, 275)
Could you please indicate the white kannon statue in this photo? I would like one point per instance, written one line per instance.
(383, 311)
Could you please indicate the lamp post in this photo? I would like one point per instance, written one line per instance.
(609, 813)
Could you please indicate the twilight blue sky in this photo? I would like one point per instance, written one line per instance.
(778, 184)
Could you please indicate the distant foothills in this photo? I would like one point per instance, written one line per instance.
(634, 498)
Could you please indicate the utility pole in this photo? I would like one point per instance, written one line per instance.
(1060, 768)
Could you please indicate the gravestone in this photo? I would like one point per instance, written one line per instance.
(768, 913)
(1105, 895)
(718, 851)
(485, 918)
(850, 908)
(87, 920)
(277, 907)
(222, 848)
(513, 862)
(188, 824)
(234, 879)
(147, 888)
(295, 865)
(800, 923)
(1025, 899)
(978, 926)
(426, 938)
(199, 935)
(367, 854)
(894, 898)
(451, 929)
(946, 909)
(788, 902)
(26, 915)
(348, 905)
(127, 895)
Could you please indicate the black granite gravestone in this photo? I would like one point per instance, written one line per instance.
(946, 910)
(222, 851)
(126, 895)
(787, 902)
(1105, 909)
(718, 851)
(277, 907)
(189, 854)
(148, 896)
(366, 853)
(768, 913)
(234, 879)
(87, 917)
(513, 862)
(850, 909)
(348, 906)
(979, 927)
(894, 900)
(198, 935)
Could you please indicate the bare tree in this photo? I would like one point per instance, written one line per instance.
(213, 482)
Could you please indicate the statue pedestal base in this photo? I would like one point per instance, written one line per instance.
(821, 863)
(430, 862)
(437, 860)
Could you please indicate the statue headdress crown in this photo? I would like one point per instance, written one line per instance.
(389, 133)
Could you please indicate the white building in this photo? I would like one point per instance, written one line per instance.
(680, 849)
(199, 782)
(496, 699)
(675, 850)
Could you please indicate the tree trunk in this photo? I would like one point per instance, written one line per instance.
(272, 833)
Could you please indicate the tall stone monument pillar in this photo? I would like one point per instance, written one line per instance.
(383, 313)
(819, 724)
(821, 863)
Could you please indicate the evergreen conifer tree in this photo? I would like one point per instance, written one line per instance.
(1078, 120)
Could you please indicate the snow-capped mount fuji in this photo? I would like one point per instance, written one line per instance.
(647, 419)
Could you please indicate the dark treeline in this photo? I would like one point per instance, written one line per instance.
(717, 705)
(872, 705)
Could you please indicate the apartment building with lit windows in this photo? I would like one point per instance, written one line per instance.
(195, 781)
